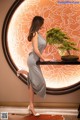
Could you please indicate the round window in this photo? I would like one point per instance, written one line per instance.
(60, 79)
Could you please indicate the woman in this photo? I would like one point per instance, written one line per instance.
(36, 80)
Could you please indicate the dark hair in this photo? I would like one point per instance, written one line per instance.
(37, 22)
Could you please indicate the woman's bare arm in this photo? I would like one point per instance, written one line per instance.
(35, 47)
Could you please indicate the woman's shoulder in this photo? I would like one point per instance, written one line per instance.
(35, 34)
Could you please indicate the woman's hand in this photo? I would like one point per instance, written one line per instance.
(48, 59)
(45, 59)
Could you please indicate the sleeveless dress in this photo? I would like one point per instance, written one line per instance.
(35, 77)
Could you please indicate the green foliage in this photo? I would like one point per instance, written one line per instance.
(56, 36)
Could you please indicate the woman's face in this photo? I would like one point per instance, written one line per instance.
(41, 28)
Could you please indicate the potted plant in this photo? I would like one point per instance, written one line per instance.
(57, 37)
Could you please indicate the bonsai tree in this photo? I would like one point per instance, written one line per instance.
(57, 37)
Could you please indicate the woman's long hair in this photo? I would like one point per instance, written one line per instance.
(37, 22)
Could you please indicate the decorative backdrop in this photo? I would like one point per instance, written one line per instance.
(64, 16)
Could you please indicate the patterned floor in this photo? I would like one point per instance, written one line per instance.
(42, 117)
(17, 113)
(31, 117)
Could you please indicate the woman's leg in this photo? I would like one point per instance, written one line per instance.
(22, 72)
(31, 96)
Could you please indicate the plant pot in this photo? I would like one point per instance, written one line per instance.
(69, 58)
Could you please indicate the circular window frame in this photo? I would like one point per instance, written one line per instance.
(51, 91)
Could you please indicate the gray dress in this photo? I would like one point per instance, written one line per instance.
(35, 77)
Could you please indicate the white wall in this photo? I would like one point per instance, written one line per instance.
(14, 90)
